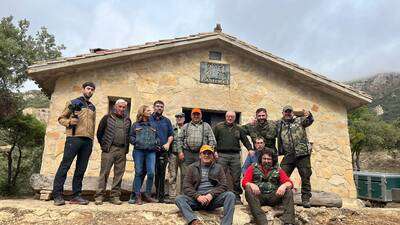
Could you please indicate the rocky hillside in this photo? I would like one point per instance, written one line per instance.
(385, 89)
(35, 99)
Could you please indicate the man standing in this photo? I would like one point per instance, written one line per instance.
(166, 135)
(205, 187)
(262, 128)
(113, 136)
(266, 184)
(79, 118)
(250, 159)
(194, 135)
(173, 161)
(228, 136)
(293, 144)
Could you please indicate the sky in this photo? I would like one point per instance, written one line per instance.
(342, 39)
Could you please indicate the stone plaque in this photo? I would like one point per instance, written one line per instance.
(214, 73)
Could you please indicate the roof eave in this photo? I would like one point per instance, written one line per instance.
(34, 71)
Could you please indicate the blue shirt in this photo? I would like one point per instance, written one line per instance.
(250, 160)
(163, 126)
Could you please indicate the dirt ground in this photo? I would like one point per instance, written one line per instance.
(30, 211)
(380, 161)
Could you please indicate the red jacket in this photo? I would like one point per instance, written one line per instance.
(248, 176)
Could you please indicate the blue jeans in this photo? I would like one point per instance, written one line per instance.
(140, 157)
(187, 205)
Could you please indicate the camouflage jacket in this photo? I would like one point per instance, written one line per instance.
(292, 136)
(267, 183)
(267, 131)
(176, 129)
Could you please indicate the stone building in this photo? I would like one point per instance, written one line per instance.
(213, 71)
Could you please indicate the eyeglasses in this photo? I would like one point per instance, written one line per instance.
(207, 153)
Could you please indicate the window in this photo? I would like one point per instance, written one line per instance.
(113, 99)
(214, 55)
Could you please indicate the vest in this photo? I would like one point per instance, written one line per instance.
(267, 184)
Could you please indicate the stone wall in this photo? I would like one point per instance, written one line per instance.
(175, 80)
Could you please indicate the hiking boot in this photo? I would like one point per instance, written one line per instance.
(79, 200)
(169, 201)
(115, 201)
(139, 200)
(146, 197)
(306, 204)
(98, 200)
(132, 199)
(59, 201)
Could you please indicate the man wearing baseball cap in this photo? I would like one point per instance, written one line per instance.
(205, 187)
(293, 144)
(173, 161)
(194, 134)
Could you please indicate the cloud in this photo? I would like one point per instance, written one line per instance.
(341, 39)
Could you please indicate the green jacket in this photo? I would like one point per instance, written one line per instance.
(267, 131)
(228, 138)
(292, 136)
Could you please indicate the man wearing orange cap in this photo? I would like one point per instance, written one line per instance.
(194, 134)
(205, 188)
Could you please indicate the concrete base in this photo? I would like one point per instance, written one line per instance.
(44, 185)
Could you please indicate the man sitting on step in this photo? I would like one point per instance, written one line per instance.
(205, 188)
(266, 184)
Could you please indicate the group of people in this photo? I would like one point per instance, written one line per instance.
(209, 158)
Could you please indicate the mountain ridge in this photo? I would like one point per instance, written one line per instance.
(385, 90)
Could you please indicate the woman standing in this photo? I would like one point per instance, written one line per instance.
(144, 138)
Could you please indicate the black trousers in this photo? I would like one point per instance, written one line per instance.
(81, 148)
(303, 165)
(159, 180)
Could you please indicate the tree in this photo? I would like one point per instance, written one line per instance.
(18, 50)
(370, 133)
(21, 133)
(394, 152)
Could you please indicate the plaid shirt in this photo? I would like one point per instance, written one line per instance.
(194, 135)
